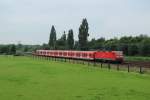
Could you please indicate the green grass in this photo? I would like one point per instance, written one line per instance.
(23, 78)
(136, 58)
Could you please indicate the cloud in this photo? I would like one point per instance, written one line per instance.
(30, 21)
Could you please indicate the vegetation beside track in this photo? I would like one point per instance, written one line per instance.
(23, 78)
(136, 58)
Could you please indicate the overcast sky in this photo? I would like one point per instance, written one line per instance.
(29, 21)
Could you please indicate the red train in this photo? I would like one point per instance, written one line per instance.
(115, 56)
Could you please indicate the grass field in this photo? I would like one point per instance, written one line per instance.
(23, 78)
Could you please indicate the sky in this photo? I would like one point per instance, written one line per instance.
(30, 21)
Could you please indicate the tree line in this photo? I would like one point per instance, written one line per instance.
(131, 46)
(18, 49)
(67, 42)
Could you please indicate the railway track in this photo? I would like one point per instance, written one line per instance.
(138, 63)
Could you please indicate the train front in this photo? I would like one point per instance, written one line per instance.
(110, 56)
(119, 56)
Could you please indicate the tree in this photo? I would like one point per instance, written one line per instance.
(76, 45)
(70, 40)
(45, 46)
(123, 47)
(12, 50)
(61, 43)
(26, 49)
(52, 39)
(145, 47)
(4, 49)
(96, 44)
(64, 38)
(112, 44)
(132, 50)
(83, 35)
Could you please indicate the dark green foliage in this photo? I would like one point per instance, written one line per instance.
(25, 49)
(83, 35)
(45, 46)
(144, 47)
(12, 50)
(8, 49)
(123, 47)
(61, 43)
(76, 45)
(132, 46)
(97, 44)
(19, 46)
(70, 40)
(111, 44)
(52, 39)
(4, 49)
(132, 49)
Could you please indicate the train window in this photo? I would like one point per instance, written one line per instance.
(69, 54)
(84, 55)
(90, 55)
(72, 54)
(78, 54)
(65, 53)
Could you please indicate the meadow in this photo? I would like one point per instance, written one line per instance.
(25, 78)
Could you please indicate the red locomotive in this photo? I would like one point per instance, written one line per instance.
(115, 56)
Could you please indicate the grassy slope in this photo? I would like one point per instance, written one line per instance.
(136, 58)
(27, 79)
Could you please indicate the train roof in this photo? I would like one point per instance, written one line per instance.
(77, 51)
